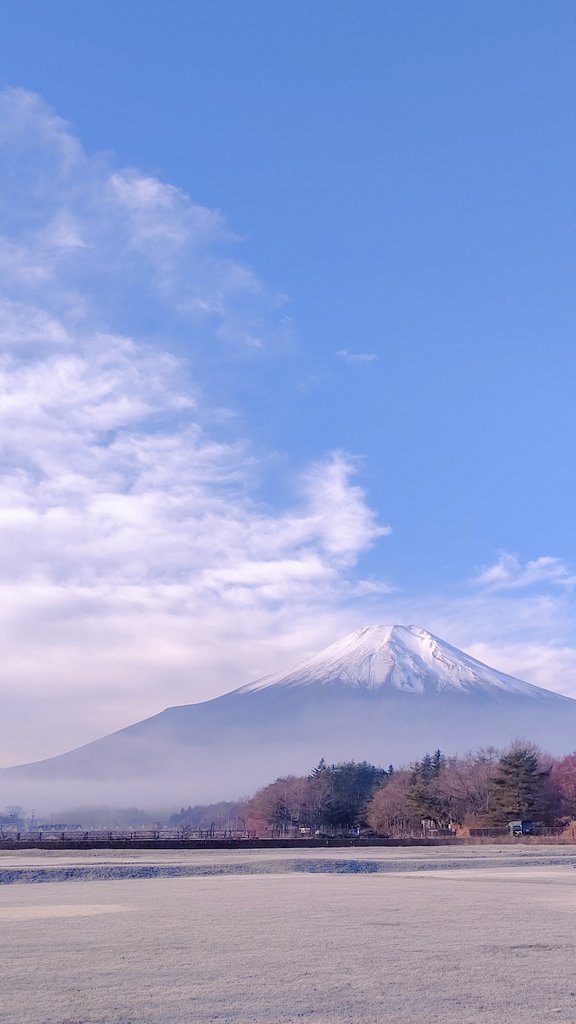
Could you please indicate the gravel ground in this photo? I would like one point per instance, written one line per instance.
(426, 935)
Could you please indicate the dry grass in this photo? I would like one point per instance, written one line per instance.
(461, 944)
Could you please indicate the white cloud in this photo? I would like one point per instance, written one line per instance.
(356, 357)
(509, 573)
(138, 567)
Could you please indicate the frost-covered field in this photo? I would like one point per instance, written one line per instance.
(372, 936)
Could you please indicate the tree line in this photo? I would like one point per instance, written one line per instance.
(483, 789)
(486, 788)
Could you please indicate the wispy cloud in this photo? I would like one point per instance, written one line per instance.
(509, 573)
(356, 357)
(139, 567)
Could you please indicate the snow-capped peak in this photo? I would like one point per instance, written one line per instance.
(404, 658)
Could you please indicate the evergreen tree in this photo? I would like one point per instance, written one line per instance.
(518, 786)
(424, 769)
(320, 768)
(424, 796)
(350, 788)
(430, 767)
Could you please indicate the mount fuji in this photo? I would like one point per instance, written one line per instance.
(386, 694)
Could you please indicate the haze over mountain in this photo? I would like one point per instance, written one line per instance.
(384, 693)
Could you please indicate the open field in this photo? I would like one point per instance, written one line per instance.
(377, 936)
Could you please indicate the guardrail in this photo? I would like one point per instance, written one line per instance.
(126, 835)
(544, 831)
(233, 838)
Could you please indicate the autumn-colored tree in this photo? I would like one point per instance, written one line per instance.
(281, 803)
(292, 800)
(390, 811)
(563, 779)
(447, 790)
(465, 784)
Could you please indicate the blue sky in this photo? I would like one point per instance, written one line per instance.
(288, 316)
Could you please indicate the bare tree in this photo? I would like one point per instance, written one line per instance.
(390, 811)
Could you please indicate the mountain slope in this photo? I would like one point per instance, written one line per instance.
(404, 658)
(384, 693)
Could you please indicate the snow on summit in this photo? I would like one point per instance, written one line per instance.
(405, 658)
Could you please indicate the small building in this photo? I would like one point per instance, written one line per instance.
(521, 828)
